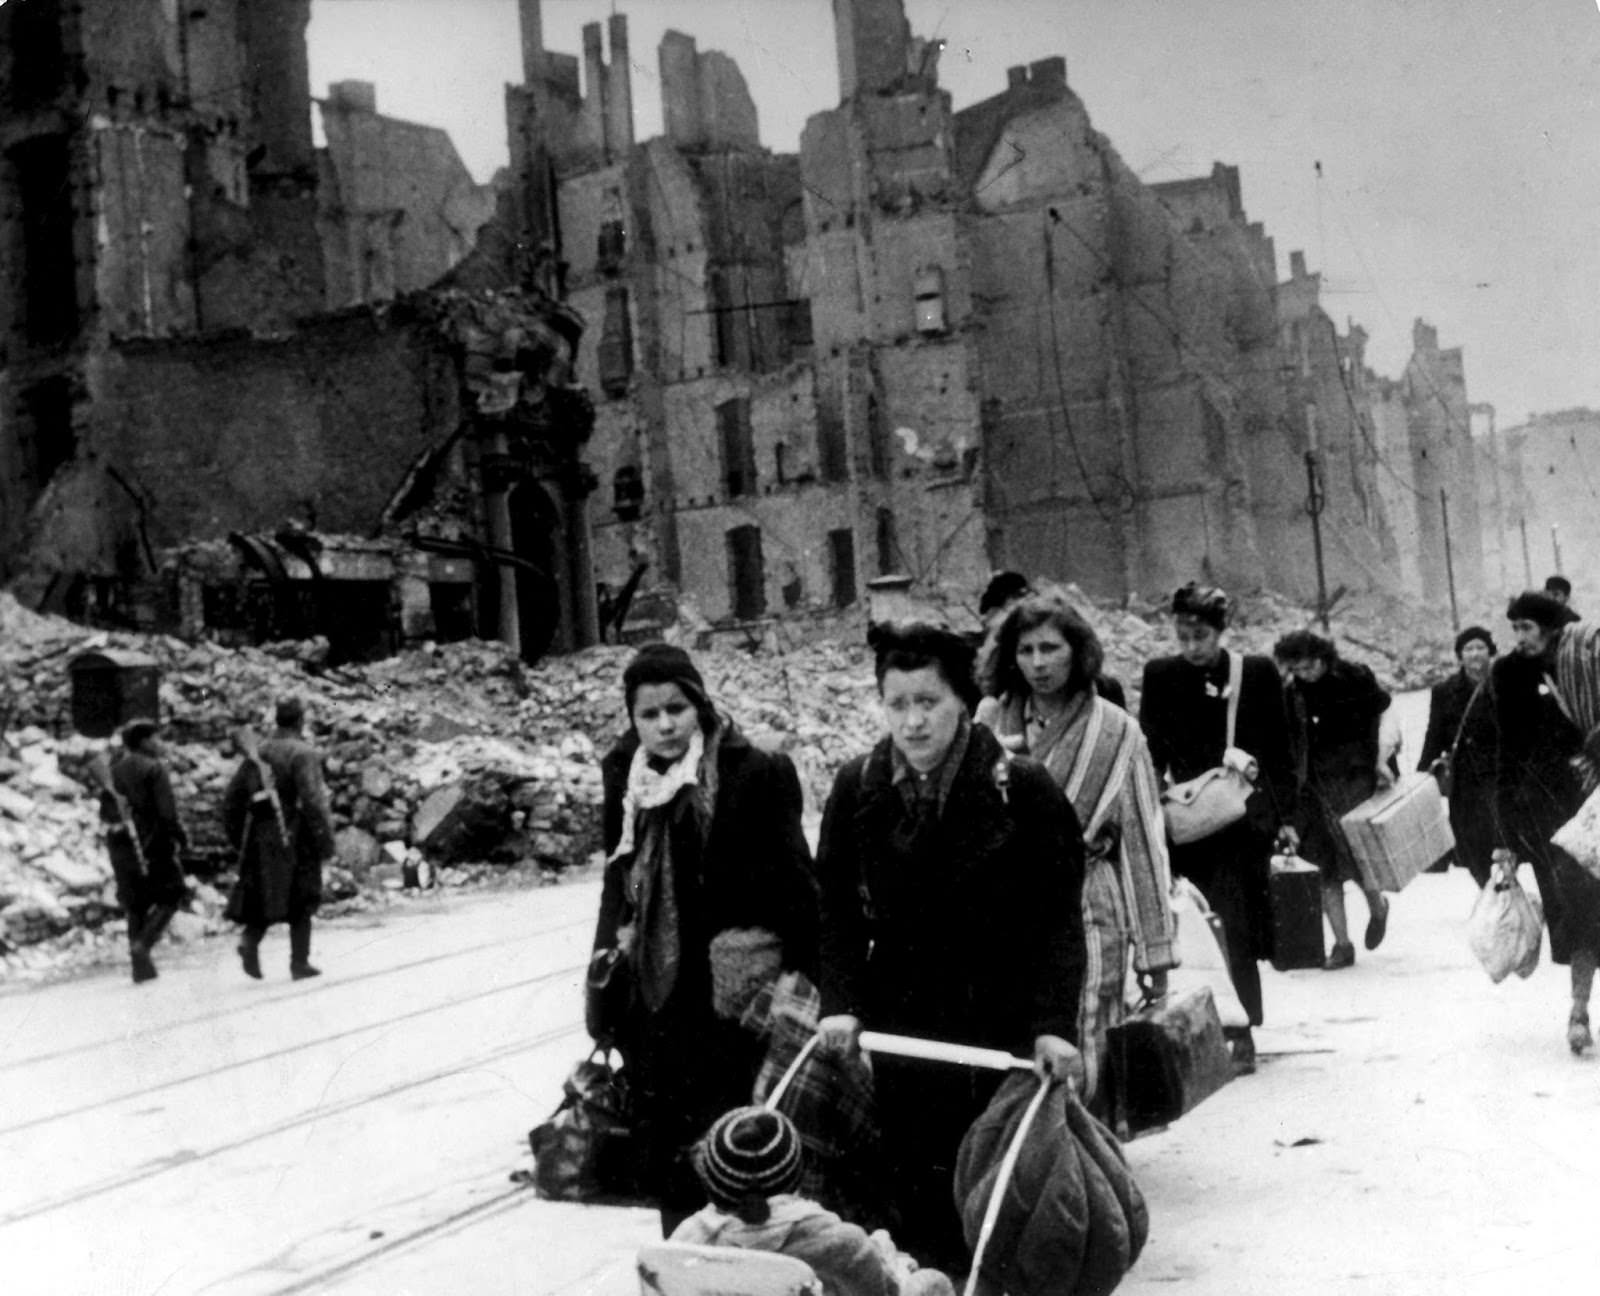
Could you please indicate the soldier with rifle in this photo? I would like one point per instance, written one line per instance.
(144, 836)
(276, 815)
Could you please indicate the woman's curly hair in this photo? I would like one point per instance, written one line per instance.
(998, 672)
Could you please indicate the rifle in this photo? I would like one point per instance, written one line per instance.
(100, 771)
(246, 739)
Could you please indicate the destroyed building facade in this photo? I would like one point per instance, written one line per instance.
(941, 342)
(193, 433)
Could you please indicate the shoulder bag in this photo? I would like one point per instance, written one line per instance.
(1210, 802)
(1443, 768)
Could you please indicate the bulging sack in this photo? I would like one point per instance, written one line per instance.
(585, 1151)
(1580, 835)
(1506, 927)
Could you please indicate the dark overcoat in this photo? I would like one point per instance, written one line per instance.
(280, 865)
(1536, 791)
(1333, 730)
(1460, 707)
(1184, 713)
(751, 869)
(965, 928)
(146, 787)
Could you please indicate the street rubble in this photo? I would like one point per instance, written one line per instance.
(451, 763)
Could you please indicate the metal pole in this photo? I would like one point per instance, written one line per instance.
(1527, 562)
(1555, 544)
(1315, 502)
(1449, 563)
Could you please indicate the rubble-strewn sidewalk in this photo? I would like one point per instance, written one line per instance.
(443, 757)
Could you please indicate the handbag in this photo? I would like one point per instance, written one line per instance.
(1443, 767)
(607, 995)
(1506, 928)
(1166, 1059)
(585, 1150)
(1210, 802)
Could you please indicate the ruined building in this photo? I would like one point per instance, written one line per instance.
(189, 435)
(937, 342)
(1543, 492)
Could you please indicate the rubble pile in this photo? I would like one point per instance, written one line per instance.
(459, 755)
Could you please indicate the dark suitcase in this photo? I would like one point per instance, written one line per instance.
(1296, 890)
(1165, 1060)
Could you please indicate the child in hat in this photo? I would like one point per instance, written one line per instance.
(750, 1165)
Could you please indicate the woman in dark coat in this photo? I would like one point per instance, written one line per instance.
(1538, 789)
(951, 910)
(1183, 710)
(703, 834)
(1461, 732)
(1335, 710)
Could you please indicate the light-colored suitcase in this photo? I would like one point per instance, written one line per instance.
(1399, 832)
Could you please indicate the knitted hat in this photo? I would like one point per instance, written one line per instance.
(1538, 607)
(1472, 633)
(751, 1152)
(662, 663)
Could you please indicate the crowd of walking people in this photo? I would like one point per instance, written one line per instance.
(995, 867)
(995, 872)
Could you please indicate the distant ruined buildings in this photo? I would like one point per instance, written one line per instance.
(266, 388)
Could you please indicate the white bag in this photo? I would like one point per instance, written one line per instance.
(1202, 958)
(1506, 928)
(1580, 835)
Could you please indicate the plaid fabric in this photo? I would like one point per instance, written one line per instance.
(829, 1099)
(1577, 676)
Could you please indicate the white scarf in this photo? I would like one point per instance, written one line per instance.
(648, 788)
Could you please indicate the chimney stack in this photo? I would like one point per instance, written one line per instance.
(619, 85)
(531, 20)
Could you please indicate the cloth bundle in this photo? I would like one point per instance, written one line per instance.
(1580, 835)
(585, 1151)
(743, 960)
(1070, 1217)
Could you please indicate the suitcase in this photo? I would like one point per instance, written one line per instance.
(1295, 887)
(1399, 832)
(1165, 1060)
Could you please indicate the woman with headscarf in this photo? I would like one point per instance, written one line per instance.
(1547, 705)
(951, 910)
(1335, 713)
(703, 836)
(1460, 744)
(1183, 709)
(1039, 671)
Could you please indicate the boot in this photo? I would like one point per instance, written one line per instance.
(300, 951)
(250, 952)
(1377, 924)
(1342, 955)
(155, 925)
(1242, 1043)
(144, 967)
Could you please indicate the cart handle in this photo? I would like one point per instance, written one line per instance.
(937, 1051)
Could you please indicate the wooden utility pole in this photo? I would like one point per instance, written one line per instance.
(1527, 562)
(1555, 545)
(1449, 561)
(1315, 502)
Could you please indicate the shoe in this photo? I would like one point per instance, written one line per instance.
(304, 972)
(1578, 1037)
(250, 960)
(1377, 926)
(1342, 955)
(1243, 1044)
(144, 967)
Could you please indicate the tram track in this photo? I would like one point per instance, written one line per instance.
(185, 1159)
(300, 1046)
(300, 990)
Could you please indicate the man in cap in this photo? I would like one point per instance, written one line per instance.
(276, 814)
(1559, 588)
(144, 836)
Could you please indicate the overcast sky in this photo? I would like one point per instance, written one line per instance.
(1459, 139)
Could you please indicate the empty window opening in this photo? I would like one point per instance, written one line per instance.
(38, 56)
(627, 493)
(50, 288)
(616, 344)
(737, 446)
(842, 566)
(877, 439)
(49, 440)
(888, 542)
(747, 575)
(833, 451)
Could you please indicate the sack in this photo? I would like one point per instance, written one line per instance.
(1205, 805)
(607, 995)
(1166, 1059)
(1295, 889)
(585, 1151)
(1580, 835)
(1068, 1216)
(1201, 944)
(1399, 832)
(1506, 928)
(743, 961)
